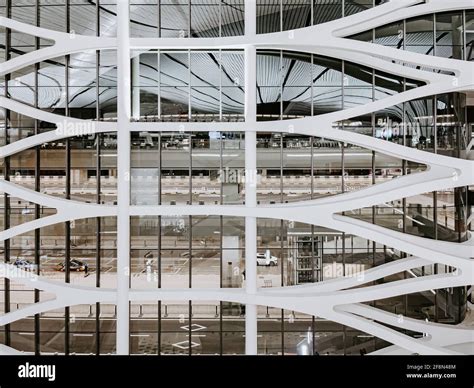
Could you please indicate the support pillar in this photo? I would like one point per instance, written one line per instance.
(123, 179)
(251, 179)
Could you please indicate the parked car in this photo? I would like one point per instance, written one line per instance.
(74, 265)
(24, 264)
(267, 260)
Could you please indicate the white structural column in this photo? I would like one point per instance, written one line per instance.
(123, 179)
(250, 179)
(136, 87)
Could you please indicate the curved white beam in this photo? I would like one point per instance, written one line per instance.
(320, 305)
(355, 280)
(439, 334)
(317, 306)
(67, 210)
(390, 335)
(365, 53)
(396, 10)
(459, 254)
(449, 253)
(32, 280)
(65, 294)
(65, 127)
(401, 287)
(46, 200)
(452, 253)
(63, 44)
(362, 21)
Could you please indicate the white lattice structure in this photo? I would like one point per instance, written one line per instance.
(332, 300)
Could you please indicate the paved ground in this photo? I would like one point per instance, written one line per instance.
(203, 336)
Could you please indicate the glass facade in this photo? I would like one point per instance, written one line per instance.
(437, 123)
(202, 167)
(278, 15)
(189, 86)
(446, 35)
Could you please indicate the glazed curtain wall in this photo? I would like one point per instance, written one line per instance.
(389, 203)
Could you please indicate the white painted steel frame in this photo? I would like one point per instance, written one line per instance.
(332, 299)
(124, 91)
(250, 72)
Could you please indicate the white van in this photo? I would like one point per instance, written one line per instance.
(267, 260)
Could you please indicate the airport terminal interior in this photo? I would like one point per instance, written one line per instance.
(188, 148)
